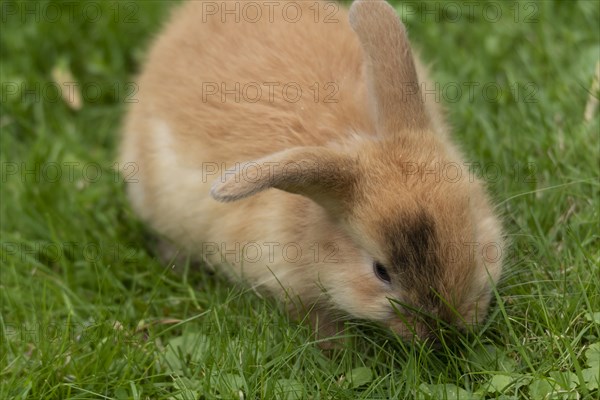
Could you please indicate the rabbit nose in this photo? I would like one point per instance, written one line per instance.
(424, 328)
(410, 329)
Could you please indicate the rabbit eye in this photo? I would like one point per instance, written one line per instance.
(381, 272)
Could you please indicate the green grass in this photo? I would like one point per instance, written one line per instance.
(88, 311)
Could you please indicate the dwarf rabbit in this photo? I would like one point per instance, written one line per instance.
(289, 145)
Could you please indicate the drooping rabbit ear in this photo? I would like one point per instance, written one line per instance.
(391, 74)
(322, 174)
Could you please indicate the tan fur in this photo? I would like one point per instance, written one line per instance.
(345, 182)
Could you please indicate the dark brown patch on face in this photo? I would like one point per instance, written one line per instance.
(413, 259)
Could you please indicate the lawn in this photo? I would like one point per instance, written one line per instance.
(89, 311)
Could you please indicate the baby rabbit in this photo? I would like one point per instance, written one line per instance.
(289, 145)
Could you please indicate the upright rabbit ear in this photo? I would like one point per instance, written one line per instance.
(319, 173)
(391, 74)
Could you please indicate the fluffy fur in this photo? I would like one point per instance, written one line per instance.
(300, 198)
